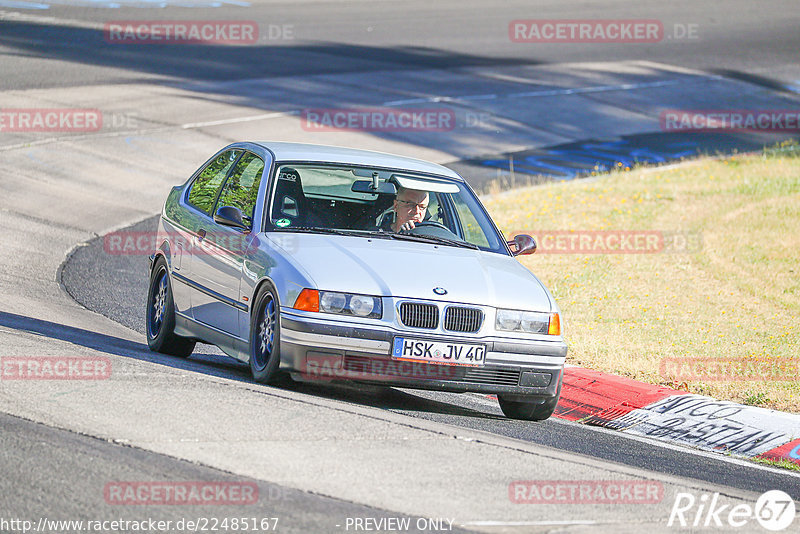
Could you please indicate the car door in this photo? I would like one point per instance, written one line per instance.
(200, 200)
(217, 258)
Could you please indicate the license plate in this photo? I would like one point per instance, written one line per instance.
(438, 352)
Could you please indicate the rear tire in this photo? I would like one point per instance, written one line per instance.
(265, 329)
(528, 410)
(161, 335)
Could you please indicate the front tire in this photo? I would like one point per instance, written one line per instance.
(528, 410)
(161, 335)
(265, 329)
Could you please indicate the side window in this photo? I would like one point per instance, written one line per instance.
(206, 186)
(241, 189)
(469, 224)
(434, 212)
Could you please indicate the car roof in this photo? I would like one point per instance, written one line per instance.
(335, 154)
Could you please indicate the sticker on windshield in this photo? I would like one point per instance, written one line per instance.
(282, 223)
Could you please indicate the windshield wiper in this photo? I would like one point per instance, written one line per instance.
(380, 235)
(308, 230)
(333, 231)
(435, 239)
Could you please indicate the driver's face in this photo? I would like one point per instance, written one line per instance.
(411, 205)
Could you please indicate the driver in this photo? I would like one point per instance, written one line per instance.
(410, 207)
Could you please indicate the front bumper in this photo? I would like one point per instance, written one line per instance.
(331, 350)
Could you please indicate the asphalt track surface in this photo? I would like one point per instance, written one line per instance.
(61, 51)
(738, 39)
(79, 466)
(116, 286)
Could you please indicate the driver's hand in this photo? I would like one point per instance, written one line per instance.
(407, 226)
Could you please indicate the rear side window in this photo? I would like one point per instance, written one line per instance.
(205, 187)
(241, 189)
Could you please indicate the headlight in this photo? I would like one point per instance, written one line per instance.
(347, 304)
(332, 302)
(361, 305)
(508, 320)
(529, 322)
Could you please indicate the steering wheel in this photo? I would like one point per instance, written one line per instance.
(432, 229)
(429, 224)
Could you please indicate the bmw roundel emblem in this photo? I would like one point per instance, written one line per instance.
(440, 291)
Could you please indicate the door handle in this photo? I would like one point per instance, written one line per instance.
(201, 234)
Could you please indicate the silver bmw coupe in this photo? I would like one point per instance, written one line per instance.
(325, 263)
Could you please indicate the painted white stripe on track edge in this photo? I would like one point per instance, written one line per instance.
(549, 92)
(781, 427)
(682, 447)
(658, 442)
(527, 523)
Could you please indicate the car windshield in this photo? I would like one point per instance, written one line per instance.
(376, 203)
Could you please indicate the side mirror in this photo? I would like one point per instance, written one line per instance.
(230, 216)
(522, 244)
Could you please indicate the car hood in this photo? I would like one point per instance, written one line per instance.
(390, 267)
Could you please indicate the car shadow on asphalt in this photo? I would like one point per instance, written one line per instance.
(206, 363)
(383, 397)
(219, 365)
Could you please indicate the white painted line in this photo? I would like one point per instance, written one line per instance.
(706, 423)
(46, 19)
(549, 92)
(158, 129)
(682, 448)
(251, 118)
(527, 523)
(22, 5)
(598, 89)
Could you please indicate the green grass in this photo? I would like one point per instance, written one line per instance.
(735, 295)
(783, 464)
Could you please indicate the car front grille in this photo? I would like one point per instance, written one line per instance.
(459, 319)
(498, 377)
(364, 366)
(419, 315)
